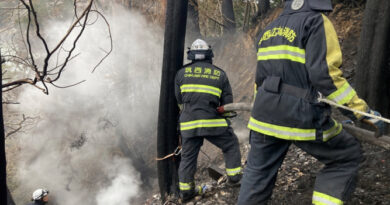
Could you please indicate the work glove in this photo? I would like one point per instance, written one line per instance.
(379, 125)
(348, 114)
(223, 113)
(221, 109)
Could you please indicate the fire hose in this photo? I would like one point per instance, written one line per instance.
(360, 133)
(248, 107)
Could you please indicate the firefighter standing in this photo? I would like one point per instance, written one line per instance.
(201, 88)
(298, 59)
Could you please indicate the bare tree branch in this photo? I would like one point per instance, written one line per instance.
(68, 86)
(42, 73)
(19, 126)
(86, 14)
(110, 36)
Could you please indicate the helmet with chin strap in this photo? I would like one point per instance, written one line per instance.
(200, 50)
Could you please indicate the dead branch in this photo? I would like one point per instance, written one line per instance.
(67, 86)
(42, 73)
(110, 36)
(19, 126)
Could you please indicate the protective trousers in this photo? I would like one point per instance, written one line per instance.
(334, 183)
(229, 145)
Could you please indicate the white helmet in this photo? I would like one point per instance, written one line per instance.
(39, 194)
(199, 45)
(200, 50)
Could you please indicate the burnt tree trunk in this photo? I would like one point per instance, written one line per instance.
(3, 163)
(228, 17)
(246, 17)
(373, 70)
(167, 134)
(10, 200)
(262, 8)
(193, 29)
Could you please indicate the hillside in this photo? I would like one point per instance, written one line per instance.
(294, 185)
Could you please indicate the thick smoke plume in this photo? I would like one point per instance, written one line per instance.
(94, 143)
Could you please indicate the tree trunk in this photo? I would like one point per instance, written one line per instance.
(10, 200)
(228, 17)
(246, 17)
(3, 163)
(373, 72)
(167, 134)
(193, 30)
(262, 8)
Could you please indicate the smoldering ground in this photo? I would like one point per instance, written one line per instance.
(94, 142)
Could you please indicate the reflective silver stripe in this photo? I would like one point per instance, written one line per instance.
(335, 130)
(284, 133)
(280, 52)
(233, 171)
(322, 201)
(185, 186)
(203, 123)
(343, 95)
(200, 88)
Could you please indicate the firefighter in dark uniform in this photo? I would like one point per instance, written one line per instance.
(298, 59)
(201, 90)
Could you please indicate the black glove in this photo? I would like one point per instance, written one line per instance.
(379, 125)
(348, 114)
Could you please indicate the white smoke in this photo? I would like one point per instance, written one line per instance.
(76, 148)
(119, 193)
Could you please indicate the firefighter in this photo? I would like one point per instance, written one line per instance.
(201, 90)
(40, 197)
(299, 59)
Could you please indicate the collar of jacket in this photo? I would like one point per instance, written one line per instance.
(204, 61)
(308, 6)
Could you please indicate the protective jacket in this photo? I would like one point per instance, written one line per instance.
(298, 59)
(200, 88)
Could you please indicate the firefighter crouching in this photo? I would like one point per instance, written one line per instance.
(299, 57)
(201, 88)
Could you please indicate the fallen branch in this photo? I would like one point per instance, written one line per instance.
(368, 136)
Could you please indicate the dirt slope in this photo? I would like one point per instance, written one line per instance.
(296, 177)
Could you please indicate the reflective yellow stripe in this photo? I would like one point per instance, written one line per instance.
(200, 190)
(324, 199)
(343, 95)
(287, 133)
(233, 171)
(198, 88)
(255, 91)
(203, 123)
(185, 186)
(335, 130)
(283, 47)
(282, 52)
